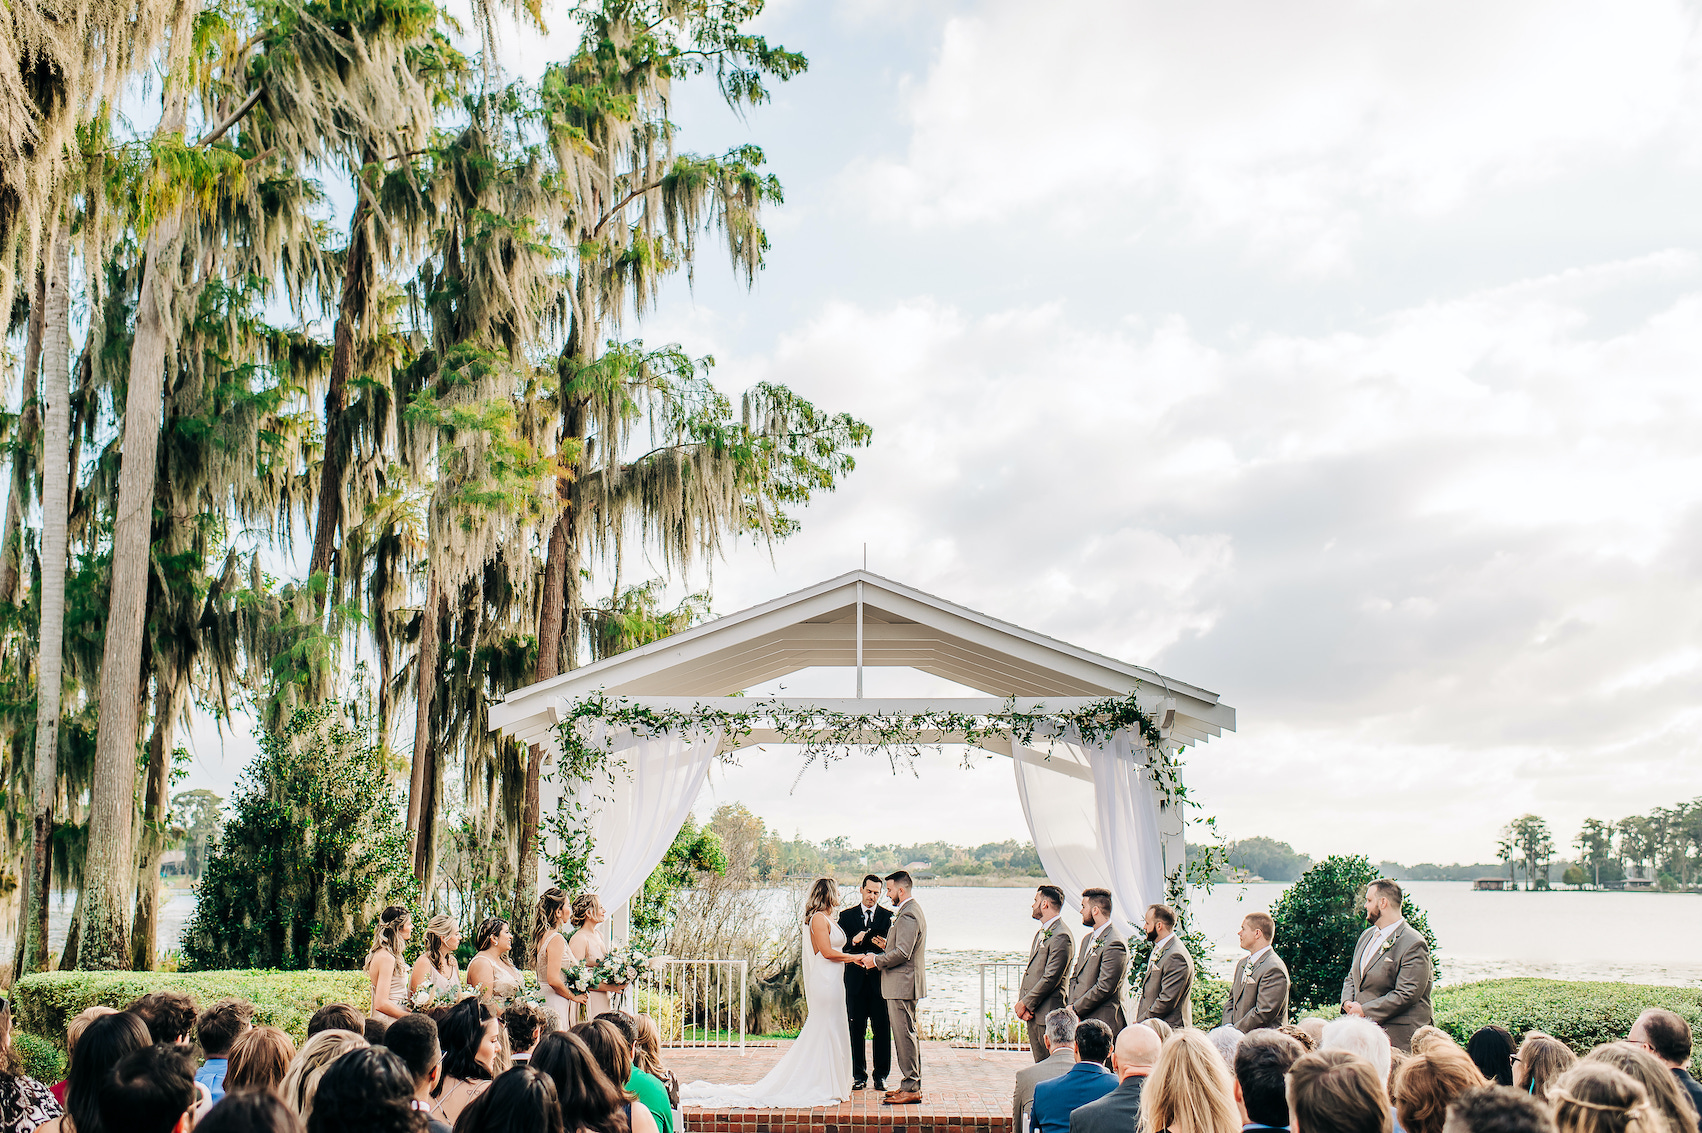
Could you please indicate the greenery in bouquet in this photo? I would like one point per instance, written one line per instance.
(622, 964)
(530, 991)
(431, 998)
(580, 976)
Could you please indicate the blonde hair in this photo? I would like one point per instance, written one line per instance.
(824, 895)
(1665, 1094)
(1189, 1090)
(1594, 1097)
(75, 1028)
(260, 1059)
(1541, 1059)
(648, 1049)
(583, 906)
(438, 931)
(1427, 1036)
(301, 1081)
(1429, 1081)
(550, 904)
(387, 935)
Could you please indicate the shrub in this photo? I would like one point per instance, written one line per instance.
(313, 850)
(1581, 1015)
(45, 1002)
(1208, 998)
(1318, 922)
(42, 1060)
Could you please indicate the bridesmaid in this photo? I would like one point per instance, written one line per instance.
(549, 952)
(384, 965)
(587, 944)
(490, 970)
(437, 964)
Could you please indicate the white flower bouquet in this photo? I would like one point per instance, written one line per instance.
(622, 965)
(579, 976)
(431, 998)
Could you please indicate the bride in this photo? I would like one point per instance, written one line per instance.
(817, 1070)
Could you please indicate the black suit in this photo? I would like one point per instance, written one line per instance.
(864, 1005)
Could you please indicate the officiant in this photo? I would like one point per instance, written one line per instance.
(863, 924)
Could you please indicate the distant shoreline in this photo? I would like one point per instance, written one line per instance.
(981, 881)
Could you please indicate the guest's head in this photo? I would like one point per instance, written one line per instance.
(169, 1015)
(609, 1047)
(1048, 902)
(898, 885)
(493, 935)
(1593, 1097)
(106, 1042)
(648, 1053)
(1299, 1035)
(391, 931)
(1314, 1029)
(366, 1091)
(588, 910)
(525, 1024)
(1359, 1035)
(1491, 1048)
(1093, 1041)
(1262, 1063)
(79, 1023)
(1095, 906)
(626, 1025)
(413, 1039)
(259, 1060)
(1336, 1091)
(301, 1080)
(1061, 1029)
(1159, 923)
(1383, 899)
(1669, 1098)
(1258, 930)
(1136, 1051)
(251, 1111)
(472, 1041)
(522, 1100)
(1664, 1034)
(1159, 1027)
(373, 1030)
(222, 1024)
(1427, 1084)
(1541, 1059)
(589, 1100)
(151, 1090)
(1226, 1039)
(336, 1017)
(1189, 1090)
(1427, 1036)
(823, 898)
(1494, 1110)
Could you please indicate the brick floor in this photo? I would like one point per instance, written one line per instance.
(960, 1094)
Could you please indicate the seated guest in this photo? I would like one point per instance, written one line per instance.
(1189, 1090)
(169, 1015)
(526, 1023)
(472, 1050)
(301, 1080)
(106, 1042)
(590, 1103)
(1593, 1097)
(335, 1017)
(522, 1098)
(373, 1030)
(24, 1102)
(1666, 1035)
(1541, 1059)
(224, 1023)
(1160, 1028)
(250, 1111)
(1087, 1081)
(1491, 1048)
(614, 1057)
(413, 1039)
(1427, 1084)
(1314, 1027)
(650, 1058)
(1060, 1039)
(1225, 1039)
(1120, 1110)
(259, 1060)
(1337, 1091)
(365, 1091)
(151, 1090)
(1359, 1035)
(74, 1031)
(647, 1086)
(1427, 1035)
(1494, 1110)
(1300, 1035)
(1262, 1062)
(1665, 1092)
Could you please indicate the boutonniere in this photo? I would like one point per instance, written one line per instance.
(1097, 945)
(1386, 945)
(1046, 933)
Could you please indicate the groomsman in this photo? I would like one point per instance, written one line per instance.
(1096, 985)
(865, 1008)
(1169, 978)
(1043, 981)
(1258, 992)
(1389, 982)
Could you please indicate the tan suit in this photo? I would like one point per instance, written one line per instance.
(1096, 985)
(1258, 995)
(903, 981)
(1394, 987)
(1168, 986)
(1045, 980)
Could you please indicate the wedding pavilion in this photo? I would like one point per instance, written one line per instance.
(1101, 798)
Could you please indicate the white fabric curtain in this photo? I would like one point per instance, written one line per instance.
(638, 803)
(1094, 816)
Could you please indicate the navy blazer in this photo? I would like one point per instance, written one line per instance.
(1054, 1101)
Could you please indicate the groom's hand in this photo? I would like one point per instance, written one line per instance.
(880, 942)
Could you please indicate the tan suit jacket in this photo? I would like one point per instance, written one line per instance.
(1168, 986)
(904, 969)
(1044, 981)
(1258, 996)
(1394, 988)
(1096, 985)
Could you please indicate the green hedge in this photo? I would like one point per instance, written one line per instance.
(44, 1003)
(1208, 998)
(1581, 1015)
(42, 1060)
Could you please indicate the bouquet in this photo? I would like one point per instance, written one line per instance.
(579, 976)
(430, 998)
(529, 992)
(622, 965)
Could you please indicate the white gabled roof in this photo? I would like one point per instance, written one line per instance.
(902, 626)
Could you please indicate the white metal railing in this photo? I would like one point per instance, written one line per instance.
(996, 1026)
(695, 1002)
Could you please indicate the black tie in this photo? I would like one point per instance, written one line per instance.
(868, 917)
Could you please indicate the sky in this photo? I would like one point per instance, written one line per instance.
(1340, 358)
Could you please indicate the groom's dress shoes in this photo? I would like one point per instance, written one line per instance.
(902, 1097)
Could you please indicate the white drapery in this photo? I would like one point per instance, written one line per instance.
(1094, 816)
(638, 801)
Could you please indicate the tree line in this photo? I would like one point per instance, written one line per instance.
(269, 456)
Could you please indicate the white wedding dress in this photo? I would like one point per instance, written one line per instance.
(817, 1070)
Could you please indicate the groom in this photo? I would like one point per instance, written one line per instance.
(901, 963)
(862, 924)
